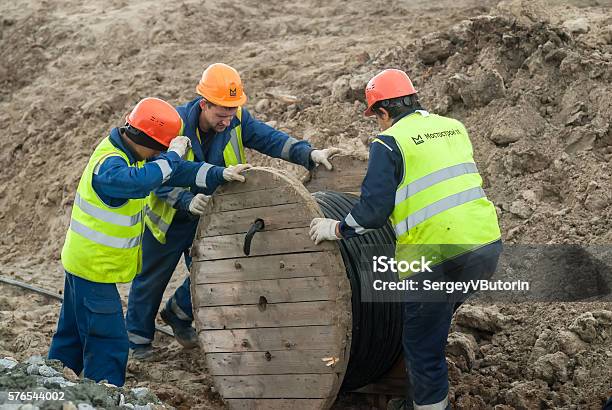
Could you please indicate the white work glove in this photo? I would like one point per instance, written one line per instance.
(323, 229)
(322, 156)
(198, 203)
(180, 145)
(232, 173)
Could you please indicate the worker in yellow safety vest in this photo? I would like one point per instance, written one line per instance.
(423, 178)
(220, 127)
(103, 245)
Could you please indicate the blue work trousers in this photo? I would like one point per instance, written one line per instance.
(91, 335)
(426, 327)
(158, 264)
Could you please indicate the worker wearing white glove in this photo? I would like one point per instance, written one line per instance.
(232, 173)
(324, 229)
(180, 145)
(322, 156)
(198, 204)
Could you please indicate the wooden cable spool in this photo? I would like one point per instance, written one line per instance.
(275, 326)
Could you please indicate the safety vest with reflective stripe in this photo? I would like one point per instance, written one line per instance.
(159, 213)
(440, 210)
(103, 243)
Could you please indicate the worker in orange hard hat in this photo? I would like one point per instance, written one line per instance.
(103, 244)
(423, 178)
(220, 128)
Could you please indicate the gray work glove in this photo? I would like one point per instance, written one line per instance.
(198, 204)
(323, 229)
(180, 145)
(232, 173)
(322, 156)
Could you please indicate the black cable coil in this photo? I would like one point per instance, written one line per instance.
(377, 326)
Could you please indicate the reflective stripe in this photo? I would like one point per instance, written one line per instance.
(350, 221)
(383, 143)
(104, 215)
(164, 166)
(287, 148)
(423, 113)
(157, 220)
(173, 196)
(234, 141)
(441, 405)
(401, 227)
(103, 239)
(176, 309)
(138, 340)
(104, 158)
(442, 205)
(434, 178)
(200, 179)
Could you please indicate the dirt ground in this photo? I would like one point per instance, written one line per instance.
(530, 79)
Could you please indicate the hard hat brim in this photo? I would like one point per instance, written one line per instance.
(230, 104)
(224, 103)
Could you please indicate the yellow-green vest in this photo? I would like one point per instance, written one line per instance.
(103, 243)
(160, 213)
(441, 210)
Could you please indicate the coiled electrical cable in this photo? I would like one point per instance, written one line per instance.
(377, 323)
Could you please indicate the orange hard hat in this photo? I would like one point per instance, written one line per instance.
(387, 84)
(221, 85)
(157, 119)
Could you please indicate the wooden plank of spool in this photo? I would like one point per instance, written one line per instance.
(294, 265)
(276, 216)
(267, 339)
(267, 243)
(267, 321)
(254, 199)
(251, 292)
(269, 362)
(347, 175)
(274, 315)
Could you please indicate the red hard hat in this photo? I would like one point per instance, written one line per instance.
(156, 118)
(390, 83)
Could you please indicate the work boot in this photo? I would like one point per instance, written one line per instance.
(141, 352)
(184, 333)
(400, 404)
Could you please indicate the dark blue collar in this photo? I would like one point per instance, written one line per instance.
(115, 139)
(193, 123)
(395, 120)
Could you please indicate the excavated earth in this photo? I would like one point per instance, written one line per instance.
(531, 80)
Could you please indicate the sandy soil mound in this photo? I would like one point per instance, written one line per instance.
(536, 97)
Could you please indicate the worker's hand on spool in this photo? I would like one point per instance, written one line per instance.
(232, 173)
(323, 229)
(322, 156)
(198, 203)
(180, 145)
